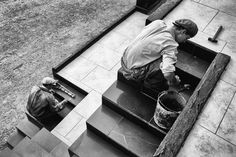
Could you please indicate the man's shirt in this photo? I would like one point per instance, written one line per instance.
(40, 100)
(154, 41)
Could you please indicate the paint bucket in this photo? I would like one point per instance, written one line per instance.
(169, 106)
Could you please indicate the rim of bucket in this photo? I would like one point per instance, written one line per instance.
(166, 92)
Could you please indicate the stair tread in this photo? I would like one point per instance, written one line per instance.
(90, 144)
(195, 66)
(29, 148)
(13, 140)
(28, 128)
(127, 134)
(61, 150)
(46, 140)
(33, 120)
(128, 101)
(8, 153)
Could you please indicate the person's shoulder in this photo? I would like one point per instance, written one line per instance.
(159, 22)
(35, 89)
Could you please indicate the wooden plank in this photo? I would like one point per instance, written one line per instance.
(146, 6)
(163, 10)
(172, 142)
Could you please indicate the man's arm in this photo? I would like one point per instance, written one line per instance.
(54, 104)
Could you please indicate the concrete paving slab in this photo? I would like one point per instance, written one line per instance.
(114, 41)
(78, 69)
(227, 129)
(89, 104)
(216, 106)
(132, 26)
(199, 13)
(99, 79)
(76, 131)
(228, 22)
(230, 74)
(62, 138)
(202, 142)
(69, 122)
(227, 6)
(105, 57)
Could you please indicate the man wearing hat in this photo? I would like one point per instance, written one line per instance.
(140, 59)
(41, 102)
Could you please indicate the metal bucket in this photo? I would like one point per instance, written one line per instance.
(169, 105)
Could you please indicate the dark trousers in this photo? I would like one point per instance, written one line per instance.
(149, 76)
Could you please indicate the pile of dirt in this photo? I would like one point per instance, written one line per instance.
(36, 35)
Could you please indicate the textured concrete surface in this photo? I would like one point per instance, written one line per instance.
(36, 35)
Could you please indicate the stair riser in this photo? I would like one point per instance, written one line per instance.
(108, 139)
(133, 118)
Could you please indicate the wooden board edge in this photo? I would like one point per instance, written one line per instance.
(163, 10)
(173, 141)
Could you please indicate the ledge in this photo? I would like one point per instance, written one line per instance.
(173, 141)
(163, 10)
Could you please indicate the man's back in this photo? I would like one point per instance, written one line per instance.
(148, 45)
(39, 101)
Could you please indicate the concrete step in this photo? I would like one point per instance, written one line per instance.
(46, 140)
(33, 120)
(130, 103)
(28, 128)
(61, 150)
(91, 145)
(50, 124)
(137, 141)
(8, 153)
(13, 140)
(28, 148)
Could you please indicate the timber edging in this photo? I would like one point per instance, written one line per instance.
(173, 141)
(163, 10)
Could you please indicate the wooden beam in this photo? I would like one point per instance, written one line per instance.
(163, 10)
(173, 141)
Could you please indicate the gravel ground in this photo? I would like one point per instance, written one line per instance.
(36, 35)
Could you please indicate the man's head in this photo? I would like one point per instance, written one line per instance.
(184, 29)
(49, 82)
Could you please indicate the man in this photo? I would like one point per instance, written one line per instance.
(141, 59)
(41, 102)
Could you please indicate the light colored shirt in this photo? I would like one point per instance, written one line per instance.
(154, 41)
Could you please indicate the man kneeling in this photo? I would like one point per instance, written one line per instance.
(41, 102)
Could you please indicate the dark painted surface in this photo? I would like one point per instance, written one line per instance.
(91, 145)
(27, 128)
(132, 104)
(8, 153)
(105, 119)
(192, 64)
(126, 133)
(145, 6)
(46, 140)
(129, 98)
(13, 140)
(27, 148)
(61, 150)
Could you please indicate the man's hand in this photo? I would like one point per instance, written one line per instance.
(62, 104)
(172, 79)
(177, 80)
